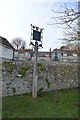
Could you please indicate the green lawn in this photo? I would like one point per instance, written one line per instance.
(53, 104)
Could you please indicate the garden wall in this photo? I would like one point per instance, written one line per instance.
(17, 76)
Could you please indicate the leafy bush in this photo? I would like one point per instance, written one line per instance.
(40, 66)
(41, 89)
(48, 83)
(23, 72)
(55, 79)
(40, 92)
(14, 90)
(9, 66)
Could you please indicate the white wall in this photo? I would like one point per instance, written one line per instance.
(65, 57)
(6, 52)
(44, 58)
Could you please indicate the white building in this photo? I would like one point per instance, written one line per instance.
(44, 55)
(64, 55)
(6, 49)
(56, 54)
(23, 54)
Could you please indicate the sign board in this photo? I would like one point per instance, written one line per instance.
(36, 35)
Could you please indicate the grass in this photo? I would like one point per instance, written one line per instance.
(52, 104)
(0, 107)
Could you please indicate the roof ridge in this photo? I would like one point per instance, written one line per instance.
(4, 41)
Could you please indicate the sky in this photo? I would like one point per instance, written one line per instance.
(16, 16)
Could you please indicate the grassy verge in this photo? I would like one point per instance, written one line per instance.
(53, 104)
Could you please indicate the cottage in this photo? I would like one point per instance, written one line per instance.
(64, 55)
(69, 53)
(56, 54)
(6, 49)
(43, 55)
(23, 54)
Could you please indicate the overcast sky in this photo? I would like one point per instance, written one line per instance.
(17, 15)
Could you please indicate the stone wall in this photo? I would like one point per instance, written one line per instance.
(17, 76)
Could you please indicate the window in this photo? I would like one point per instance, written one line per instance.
(26, 53)
(74, 54)
(16, 53)
(65, 54)
(5, 49)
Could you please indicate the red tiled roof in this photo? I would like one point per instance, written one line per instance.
(24, 50)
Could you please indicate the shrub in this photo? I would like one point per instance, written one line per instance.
(48, 83)
(40, 92)
(9, 66)
(14, 90)
(55, 79)
(40, 66)
(41, 89)
(23, 71)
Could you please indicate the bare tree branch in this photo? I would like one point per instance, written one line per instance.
(68, 19)
(18, 43)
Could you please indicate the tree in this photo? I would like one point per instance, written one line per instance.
(69, 19)
(18, 43)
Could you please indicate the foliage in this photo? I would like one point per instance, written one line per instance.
(9, 66)
(23, 71)
(55, 79)
(48, 83)
(41, 89)
(40, 92)
(40, 66)
(14, 90)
